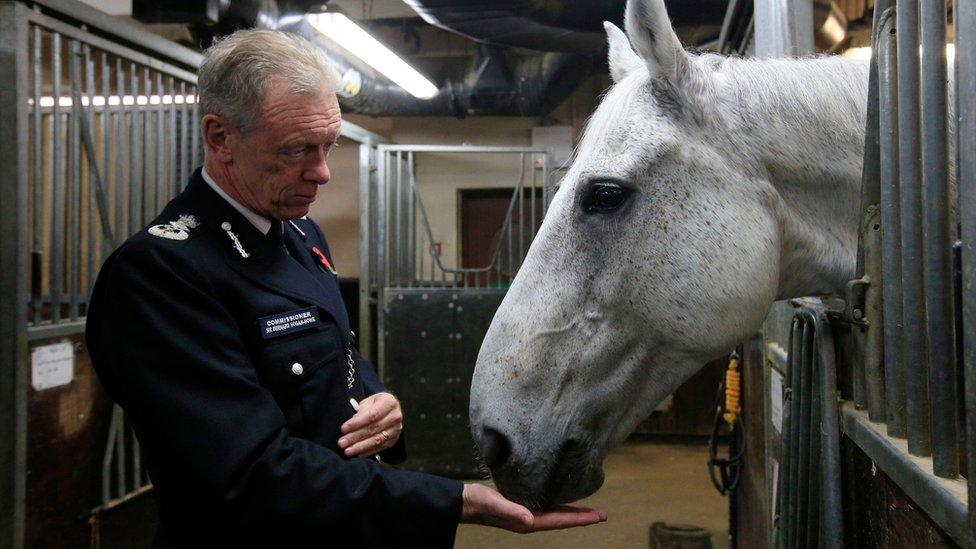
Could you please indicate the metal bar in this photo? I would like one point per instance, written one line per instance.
(422, 247)
(397, 223)
(964, 19)
(106, 151)
(171, 158)
(909, 152)
(57, 189)
(804, 434)
(38, 174)
(382, 193)
(791, 432)
(136, 464)
(867, 335)
(545, 183)
(811, 537)
(107, 455)
(184, 129)
(14, 265)
(134, 184)
(532, 197)
(195, 131)
(939, 305)
(74, 207)
(829, 503)
(117, 179)
(365, 259)
(120, 456)
(894, 365)
(48, 330)
(942, 500)
(411, 222)
(457, 149)
(90, 113)
(148, 186)
(521, 209)
(162, 189)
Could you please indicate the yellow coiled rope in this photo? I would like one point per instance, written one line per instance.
(733, 391)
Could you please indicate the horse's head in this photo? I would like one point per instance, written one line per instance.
(660, 251)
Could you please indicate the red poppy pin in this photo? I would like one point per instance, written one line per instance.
(323, 261)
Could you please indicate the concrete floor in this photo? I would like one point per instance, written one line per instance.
(646, 481)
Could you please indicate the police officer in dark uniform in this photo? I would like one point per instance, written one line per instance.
(219, 328)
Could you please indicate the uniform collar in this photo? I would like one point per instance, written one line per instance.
(260, 222)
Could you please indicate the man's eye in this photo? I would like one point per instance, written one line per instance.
(604, 198)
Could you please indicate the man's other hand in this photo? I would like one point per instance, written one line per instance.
(484, 505)
(375, 427)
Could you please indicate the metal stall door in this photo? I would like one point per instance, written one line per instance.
(432, 312)
(100, 130)
(902, 395)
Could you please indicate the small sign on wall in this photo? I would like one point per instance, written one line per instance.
(52, 365)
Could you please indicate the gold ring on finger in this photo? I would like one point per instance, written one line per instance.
(385, 435)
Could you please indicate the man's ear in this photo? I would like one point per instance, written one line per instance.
(653, 38)
(621, 58)
(216, 134)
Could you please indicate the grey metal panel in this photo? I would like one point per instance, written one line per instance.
(14, 66)
(432, 340)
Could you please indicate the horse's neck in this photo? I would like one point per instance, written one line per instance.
(805, 124)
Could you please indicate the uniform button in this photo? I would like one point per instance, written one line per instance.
(225, 226)
(297, 369)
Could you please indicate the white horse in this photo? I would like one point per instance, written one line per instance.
(704, 188)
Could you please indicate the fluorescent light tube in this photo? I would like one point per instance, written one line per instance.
(358, 42)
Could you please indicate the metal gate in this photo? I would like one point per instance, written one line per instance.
(100, 129)
(878, 429)
(430, 314)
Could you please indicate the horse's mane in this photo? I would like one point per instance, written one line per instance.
(819, 94)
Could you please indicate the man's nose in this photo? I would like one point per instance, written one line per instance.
(318, 170)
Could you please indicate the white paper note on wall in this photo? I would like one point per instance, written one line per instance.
(52, 365)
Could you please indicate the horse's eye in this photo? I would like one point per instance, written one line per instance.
(604, 197)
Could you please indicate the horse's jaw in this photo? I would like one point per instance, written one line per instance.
(544, 424)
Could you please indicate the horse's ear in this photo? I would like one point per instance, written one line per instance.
(652, 36)
(622, 58)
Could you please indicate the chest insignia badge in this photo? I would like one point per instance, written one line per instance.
(236, 241)
(176, 230)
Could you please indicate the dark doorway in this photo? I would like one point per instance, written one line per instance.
(482, 227)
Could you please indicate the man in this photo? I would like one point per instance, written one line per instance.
(220, 330)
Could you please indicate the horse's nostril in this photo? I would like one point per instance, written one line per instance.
(496, 448)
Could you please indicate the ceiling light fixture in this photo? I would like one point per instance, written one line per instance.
(352, 37)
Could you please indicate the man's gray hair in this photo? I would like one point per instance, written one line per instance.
(237, 70)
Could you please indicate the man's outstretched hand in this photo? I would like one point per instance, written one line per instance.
(484, 505)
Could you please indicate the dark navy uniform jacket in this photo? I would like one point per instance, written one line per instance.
(233, 371)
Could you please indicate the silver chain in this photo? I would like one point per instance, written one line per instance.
(351, 374)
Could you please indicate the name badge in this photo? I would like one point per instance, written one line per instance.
(288, 322)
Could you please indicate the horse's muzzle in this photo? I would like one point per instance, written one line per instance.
(540, 477)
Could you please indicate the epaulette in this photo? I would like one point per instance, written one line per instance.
(178, 229)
